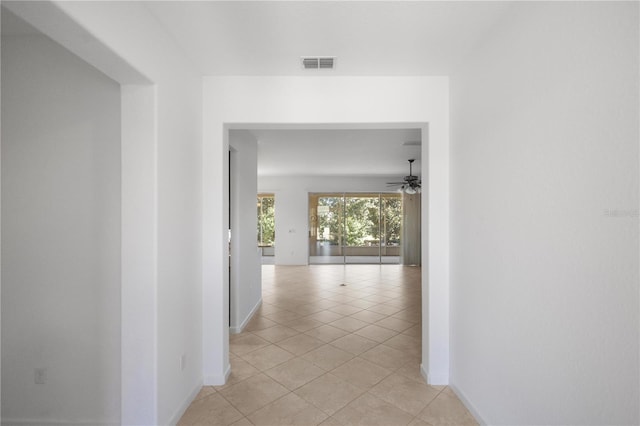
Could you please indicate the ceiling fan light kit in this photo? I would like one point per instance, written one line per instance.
(411, 184)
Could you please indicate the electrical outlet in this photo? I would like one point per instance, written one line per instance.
(40, 376)
(183, 362)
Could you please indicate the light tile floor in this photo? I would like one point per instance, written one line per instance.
(322, 353)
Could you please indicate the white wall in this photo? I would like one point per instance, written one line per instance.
(292, 227)
(292, 208)
(246, 270)
(386, 102)
(162, 134)
(61, 236)
(139, 345)
(129, 30)
(544, 296)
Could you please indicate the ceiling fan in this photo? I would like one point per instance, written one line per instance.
(411, 184)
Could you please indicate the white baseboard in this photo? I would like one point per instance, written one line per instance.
(472, 409)
(238, 329)
(438, 379)
(218, 380)
(185, 404)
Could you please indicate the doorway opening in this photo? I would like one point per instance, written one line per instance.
(293, 193)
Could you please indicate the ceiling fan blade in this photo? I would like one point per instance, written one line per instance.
(411, 180)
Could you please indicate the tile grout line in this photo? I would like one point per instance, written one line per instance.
(392, 303)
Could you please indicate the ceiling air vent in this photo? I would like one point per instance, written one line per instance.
(315, 63)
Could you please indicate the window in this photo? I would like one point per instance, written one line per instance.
(266, 220)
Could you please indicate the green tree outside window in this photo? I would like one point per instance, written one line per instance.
(266, 220)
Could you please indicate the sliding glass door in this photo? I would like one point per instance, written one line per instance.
(390, 228)
(327, 229)
(362, 229)
(354, 228)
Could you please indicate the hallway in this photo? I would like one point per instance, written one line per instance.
(320, 352)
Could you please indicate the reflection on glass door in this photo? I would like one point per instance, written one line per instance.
(327, 215)
(362, 229)
(354, 228)
(390, 228)
(266, 227)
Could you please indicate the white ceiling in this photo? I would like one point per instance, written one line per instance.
(367, 38)
(338, 152)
